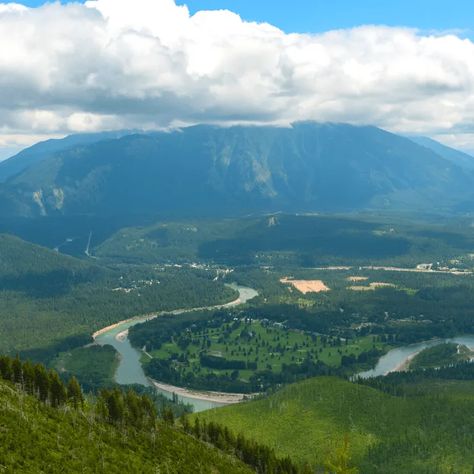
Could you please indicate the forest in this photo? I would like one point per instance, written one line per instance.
(82, 297)
(297, 241)
(127, 431)
(372, 431)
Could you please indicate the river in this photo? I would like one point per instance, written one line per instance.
(130, 370)
(399, 356)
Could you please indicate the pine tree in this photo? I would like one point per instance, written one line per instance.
(134, 409)
(115, 405)
(41, 382)
(149, 410)
(28, 371)
(168, 416)
(6, 371)
(17, 370)
(74, 393)
(57, 389)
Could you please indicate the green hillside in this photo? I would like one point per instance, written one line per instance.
(441, 355)
(35, 438)
(294, 240)
(312, 420)
(21, 259)
(41, 289)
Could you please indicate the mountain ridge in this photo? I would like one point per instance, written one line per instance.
(208, 170)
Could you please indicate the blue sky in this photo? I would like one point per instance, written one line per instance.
(175, 70)
(323, 15)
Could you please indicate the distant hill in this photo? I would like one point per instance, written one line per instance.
(35, 438)
(37, 153)
(207, 171)
(41, 272)
(313, 420)
(456, 157)
(19, 258)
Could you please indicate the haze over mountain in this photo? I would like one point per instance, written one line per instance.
(36, 153)
(206, 170)
(455, 156)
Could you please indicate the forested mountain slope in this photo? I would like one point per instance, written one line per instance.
(51, 302)
(205, 170)
(455, 156)
(35, 437)
(325, 419)
(18, 257)
(37, 153)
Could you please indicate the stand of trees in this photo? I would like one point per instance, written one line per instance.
(396, 383)
(262, 458)
(45, 384)
(132, 411)
(167, 371)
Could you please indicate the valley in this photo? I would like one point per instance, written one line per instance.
(236, 237)
(222, 316)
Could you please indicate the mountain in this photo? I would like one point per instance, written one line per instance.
(37, 438)
(37, 153)
(454, 156)
(206, 170)
(329, 419)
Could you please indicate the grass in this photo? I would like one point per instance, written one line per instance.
(309, 421)
(267, 345)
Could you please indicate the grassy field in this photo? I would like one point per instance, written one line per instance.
(312, 420)
(268, 346)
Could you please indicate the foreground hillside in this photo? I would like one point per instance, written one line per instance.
(206, 170)
(36, 438)
(312, 421)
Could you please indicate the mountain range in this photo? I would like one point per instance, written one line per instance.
(208, 170)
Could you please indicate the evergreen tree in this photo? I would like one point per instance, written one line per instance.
(6, 371)
(168, 416)
(115, 405)
(41, 382)
(74, 393)
(149, 410)
(58, 392)
(28, 371)
(17, 370)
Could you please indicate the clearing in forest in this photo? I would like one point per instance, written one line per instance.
(306, 286)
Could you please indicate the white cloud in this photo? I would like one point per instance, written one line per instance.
(149, 63)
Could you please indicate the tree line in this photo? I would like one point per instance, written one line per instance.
(395, 383)
(46, 385)
(261, 457)
(130, 410)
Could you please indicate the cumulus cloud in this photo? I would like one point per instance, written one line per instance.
(112, 64)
